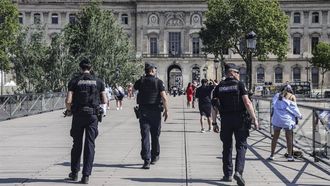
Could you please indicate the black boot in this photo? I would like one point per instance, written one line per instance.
(239, 179)
(72, 176)
(154, 160)
(85, 179)
(146, 164)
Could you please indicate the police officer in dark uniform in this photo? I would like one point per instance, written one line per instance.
(152, 101)
(233, 105)
(86, 93)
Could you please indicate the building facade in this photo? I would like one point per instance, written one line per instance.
(165, 32)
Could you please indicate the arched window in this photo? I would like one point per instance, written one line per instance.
(296, 44)
(195, 73)
(260, 74)
(296, 17)
(124, 19)
(153, 46)
(315, 17)
(315, 42)
(278, 75)
(242, 74)
(315, 77)
(55, 19)
(37, 18)
(296, 74)
(72, 18)
(20, 18)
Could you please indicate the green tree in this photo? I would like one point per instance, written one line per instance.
(228, 22)
(28, 57)
(8, 28)
(321, 59)
(97, 35)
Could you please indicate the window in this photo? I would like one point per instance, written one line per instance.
(296, 17)
(72, 18)
(315, 42)
(174, 43)
(37, 18)
(153, 46)
(315, 77)
(20, 18)
(195, 73)
(195, 44)
(242, 74)
(260, 75)
(315, 17)
(296, 45)
(55, 19)
(296, 74)
(278, 75)
(124, 19)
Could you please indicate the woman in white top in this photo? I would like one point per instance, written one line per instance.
(285, 111)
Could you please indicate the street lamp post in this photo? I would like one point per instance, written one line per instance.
(216, 66)
(251, 42)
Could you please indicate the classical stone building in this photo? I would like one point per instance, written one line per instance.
(166, 32)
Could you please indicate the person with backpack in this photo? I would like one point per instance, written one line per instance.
(119, 96)
(86, 94)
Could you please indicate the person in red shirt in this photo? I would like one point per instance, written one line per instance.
(189, 93)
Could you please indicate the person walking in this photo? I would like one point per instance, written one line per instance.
(130, 90)
(189, 93)
(119, 96)
(203, 94)
(285, 112)
(194, 87)
(233, 104)
(152, 102)
(84, 97)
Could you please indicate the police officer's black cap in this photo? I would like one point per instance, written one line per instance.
(231, 66)
(85, 63)
(149, 66)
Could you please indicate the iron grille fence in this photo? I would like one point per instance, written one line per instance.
(18, 105)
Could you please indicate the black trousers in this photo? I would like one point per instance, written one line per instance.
(89, 125)
(226, 136)
(150, 125)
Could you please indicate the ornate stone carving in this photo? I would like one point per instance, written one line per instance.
(174, 19)
(196, 20)
(153, 19)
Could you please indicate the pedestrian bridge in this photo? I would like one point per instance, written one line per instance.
(35, 150)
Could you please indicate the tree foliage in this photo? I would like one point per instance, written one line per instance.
(8, 28)
(228, 22)
(97, 35)
(43, 67)
(321, 58)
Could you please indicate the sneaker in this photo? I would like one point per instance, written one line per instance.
(226, 179)
(121, 108)
(154, 160)
(210, 129)
(290, 158)
(239, 179)
(271, 158)
(84, 179)
(146, 164)
(72, 176)
(117, 108)
(202, 131)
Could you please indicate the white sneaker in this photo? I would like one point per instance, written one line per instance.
(121, 108)
(271, 158)
(202, 131)
(290, 158)
(117, 108)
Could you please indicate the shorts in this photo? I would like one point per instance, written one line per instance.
(205, 110)
(279, 128)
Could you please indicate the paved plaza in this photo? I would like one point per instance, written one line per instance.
(35, 150)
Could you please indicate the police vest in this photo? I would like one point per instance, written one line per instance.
(229, 96)
(148, 91)
(86, 93)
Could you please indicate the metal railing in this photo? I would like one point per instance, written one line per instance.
(311, 135)
(18, 105)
